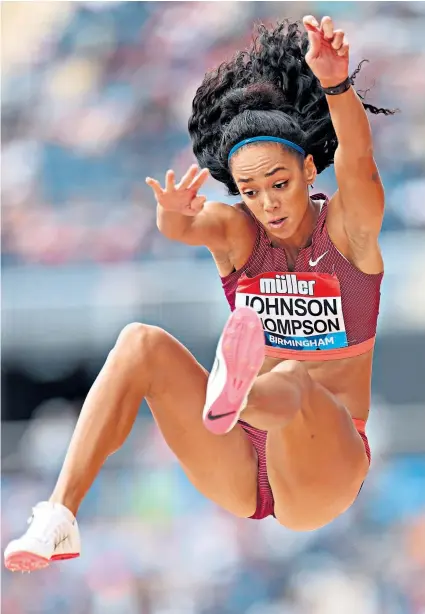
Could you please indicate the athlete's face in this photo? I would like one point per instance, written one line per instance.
(274, 183)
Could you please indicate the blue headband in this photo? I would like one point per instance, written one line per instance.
(272, 139)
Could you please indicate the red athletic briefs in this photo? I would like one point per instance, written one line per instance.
(265, 501)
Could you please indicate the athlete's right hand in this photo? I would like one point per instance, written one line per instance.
(181, 198)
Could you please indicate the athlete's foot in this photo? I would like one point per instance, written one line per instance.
(239, 357)
(52, 536)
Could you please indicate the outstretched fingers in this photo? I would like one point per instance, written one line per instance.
(188, 177)
(191, 180)
(156, 187)
(170, 181)
(199, 180)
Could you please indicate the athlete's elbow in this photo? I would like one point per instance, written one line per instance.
(168, 230)
(164, 229)
(174, 226)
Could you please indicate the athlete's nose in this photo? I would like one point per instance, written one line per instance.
(270, 204)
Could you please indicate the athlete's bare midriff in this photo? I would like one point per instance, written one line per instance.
(349, 379)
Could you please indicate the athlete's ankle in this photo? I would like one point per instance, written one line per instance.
(70, 503)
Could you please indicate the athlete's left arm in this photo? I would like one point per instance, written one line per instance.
(359, 202)
(360, 190)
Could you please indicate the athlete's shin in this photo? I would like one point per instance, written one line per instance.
(107, 416)
(277, 396)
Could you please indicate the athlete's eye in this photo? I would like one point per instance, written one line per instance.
(249, 193)
(280, 185)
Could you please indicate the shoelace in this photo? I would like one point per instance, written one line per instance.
(38, 528)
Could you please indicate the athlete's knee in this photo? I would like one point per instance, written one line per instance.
(308, 509)
(311, 517)
(138, 340)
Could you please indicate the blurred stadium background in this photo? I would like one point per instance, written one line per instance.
(95, 97)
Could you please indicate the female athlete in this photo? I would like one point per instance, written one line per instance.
(304, 273)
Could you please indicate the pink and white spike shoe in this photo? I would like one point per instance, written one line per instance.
(239, 357)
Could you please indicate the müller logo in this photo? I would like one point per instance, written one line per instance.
(287, 284)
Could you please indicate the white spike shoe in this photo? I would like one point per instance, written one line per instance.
(52, 536)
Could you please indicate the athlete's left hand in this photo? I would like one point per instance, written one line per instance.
(328, 52)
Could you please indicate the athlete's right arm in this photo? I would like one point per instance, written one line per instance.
(183, 215)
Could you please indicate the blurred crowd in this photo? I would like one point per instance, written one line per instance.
(96, 96)
(152, 545)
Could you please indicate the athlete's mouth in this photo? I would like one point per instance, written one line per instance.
(278, 222)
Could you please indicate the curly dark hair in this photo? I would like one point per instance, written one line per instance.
(267, 90)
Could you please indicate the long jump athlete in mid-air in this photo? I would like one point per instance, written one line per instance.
(302, 275)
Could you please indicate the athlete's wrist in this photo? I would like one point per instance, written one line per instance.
(332, 87)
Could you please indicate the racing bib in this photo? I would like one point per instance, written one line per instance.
(299, 311)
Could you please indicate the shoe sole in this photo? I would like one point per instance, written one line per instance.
(29, 561)
(241, 352)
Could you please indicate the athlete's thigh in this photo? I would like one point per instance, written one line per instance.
(223, 468)
(316, 463)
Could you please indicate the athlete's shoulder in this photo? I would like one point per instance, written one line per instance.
(218, 208)
(234, 216)
(221, 208)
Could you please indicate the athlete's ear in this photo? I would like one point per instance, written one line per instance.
(310, 170)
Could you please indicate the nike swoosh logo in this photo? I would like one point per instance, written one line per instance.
(211, 416)
(314, 262)
(213, 373)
